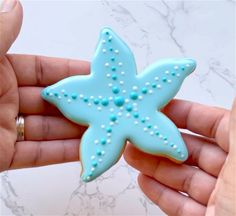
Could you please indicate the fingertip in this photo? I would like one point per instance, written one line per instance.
(142, 179)
(10, 25)
(130, 154)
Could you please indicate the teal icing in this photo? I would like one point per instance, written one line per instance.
(119, 101)
(118, 105)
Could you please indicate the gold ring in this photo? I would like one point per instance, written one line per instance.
(20, 128)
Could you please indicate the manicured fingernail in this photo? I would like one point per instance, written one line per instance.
(7, 5)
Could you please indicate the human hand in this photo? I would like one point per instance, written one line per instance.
(49, 138)
(206, 178)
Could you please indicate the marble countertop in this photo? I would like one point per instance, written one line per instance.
(203, 30)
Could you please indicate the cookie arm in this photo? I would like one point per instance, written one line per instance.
(163, 79)
(112, 59)
(159, 136)
(99, 150)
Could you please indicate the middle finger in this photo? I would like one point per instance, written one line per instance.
(51, 128)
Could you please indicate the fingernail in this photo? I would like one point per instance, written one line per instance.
(7, 5)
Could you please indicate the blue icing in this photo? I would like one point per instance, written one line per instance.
(113, 117)
(105, 102)
(115, 90)
(134, 95)
(129, 108)
(118, 104)
(114, 76)
(119, 101)
(96, 101)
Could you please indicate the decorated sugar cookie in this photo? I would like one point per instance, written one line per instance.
(117, 105)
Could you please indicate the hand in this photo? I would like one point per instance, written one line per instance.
(49, 138)
(206, 178)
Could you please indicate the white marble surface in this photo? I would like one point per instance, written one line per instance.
(203, 30)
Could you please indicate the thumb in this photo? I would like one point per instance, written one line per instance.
(232, 146)
(11, 15)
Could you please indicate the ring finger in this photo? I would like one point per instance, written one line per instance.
(180, 177)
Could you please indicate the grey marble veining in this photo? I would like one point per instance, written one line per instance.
(203, 30)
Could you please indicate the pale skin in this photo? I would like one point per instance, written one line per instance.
(207, 177)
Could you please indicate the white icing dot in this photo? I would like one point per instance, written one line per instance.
(176, 67)
(104, 50)
(128, 115)
(169, 81)
(92, 157)
(110, 84)
(135, 88)
(122, 82)
(102, 126)
(167, 72)
(140, 97)
(135, 122)
(81, 96)
(147, 83)
(119, 114)
(151, 133)
(107, 64)
(120, 64)
(96, 141)
(108, 75)
(122, 73)
(158, 86)
(156, 78)
(145, 129)
(69, 100)
(178, 75)
(99, 108)
(124, 91)
(116, 51)
(150, 91)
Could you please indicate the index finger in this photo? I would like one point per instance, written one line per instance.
(208, 121)
(34, 70)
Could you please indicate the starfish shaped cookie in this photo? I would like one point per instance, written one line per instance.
(117, 104)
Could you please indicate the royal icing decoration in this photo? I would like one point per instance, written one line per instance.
(117, 104)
